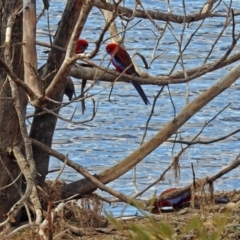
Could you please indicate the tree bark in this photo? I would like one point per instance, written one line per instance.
(43, 127)
(9, 127)
(29, 46)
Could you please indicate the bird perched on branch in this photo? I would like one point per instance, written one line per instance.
(81, 46)
(121, 61)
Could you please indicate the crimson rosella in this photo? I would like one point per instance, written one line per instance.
(174, 202)
(178, 202)
(81, 46)
(121, 60)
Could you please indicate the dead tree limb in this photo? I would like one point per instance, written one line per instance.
(167, 131)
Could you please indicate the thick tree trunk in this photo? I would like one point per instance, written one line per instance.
(43, 127)
(9, 195)
(9, 127)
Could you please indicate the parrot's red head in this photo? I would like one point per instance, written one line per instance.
(111, 47)
(81, 46)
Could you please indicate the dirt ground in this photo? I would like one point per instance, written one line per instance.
(218, 221)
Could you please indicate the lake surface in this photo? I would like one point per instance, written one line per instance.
(119, 125)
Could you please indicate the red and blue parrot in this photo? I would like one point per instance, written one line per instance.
(177, 202)
(121, 60)
(174, 202)
(81, 46)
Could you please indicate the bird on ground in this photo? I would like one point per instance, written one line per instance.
(178, 202)
(121, 61)
(174, 202)
(81, 46)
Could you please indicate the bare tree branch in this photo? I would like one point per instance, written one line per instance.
(157, 15)
(29, 47)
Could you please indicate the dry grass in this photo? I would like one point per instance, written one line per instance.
(81, 220)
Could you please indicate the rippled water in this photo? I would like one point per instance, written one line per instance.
(118, 127)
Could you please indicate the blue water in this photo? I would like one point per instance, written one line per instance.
(119, 125)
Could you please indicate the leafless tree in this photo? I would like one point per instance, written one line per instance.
(24, 156)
